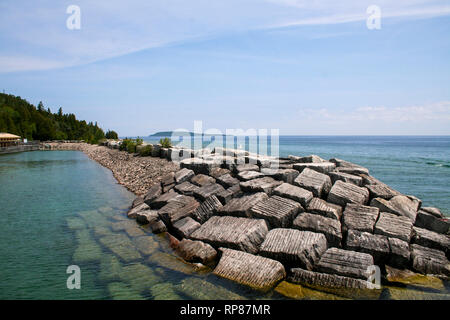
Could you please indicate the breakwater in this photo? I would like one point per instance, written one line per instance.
(20, 148)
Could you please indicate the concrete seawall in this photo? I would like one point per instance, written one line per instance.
(20, 148)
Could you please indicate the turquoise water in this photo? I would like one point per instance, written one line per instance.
(417, 165)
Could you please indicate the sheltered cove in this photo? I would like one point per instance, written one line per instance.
(259, 220)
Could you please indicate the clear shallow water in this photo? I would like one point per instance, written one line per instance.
(417, 165)
(59, 208)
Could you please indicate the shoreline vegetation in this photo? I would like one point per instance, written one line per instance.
(299, 223)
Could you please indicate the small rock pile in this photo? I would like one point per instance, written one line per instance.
(258, 220)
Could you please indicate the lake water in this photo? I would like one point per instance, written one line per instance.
(59, 208)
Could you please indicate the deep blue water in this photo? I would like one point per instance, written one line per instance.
(417, 165)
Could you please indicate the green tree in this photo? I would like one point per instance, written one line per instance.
(110, 134)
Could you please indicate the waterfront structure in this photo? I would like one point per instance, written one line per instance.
(8, 139)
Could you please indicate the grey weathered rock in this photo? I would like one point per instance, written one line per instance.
(246, 167)
(217, 172)
(400, 205)
(227, 180)
(184, 227)
(183, 175)
(232, 232)
(331, 228)
(359, 217)
(168, 181)
(375, 245)
(286, 175)
(208, 190)
(198, 165)
(249, 175)
(349, 167)
(196, 251)
(381, 190)
(202, 180)
(307, 159)
(164, 153)
(277, 211)
(394, 226)
(323, 208)
(137, 201)
(146, 216)
(265, 184)
(324, 281)
(156, 150)
(429, 261)
(164, 199)
(298, 194)
(132, 213)
(241, 206)
(245, 268)
(294, 247)
(228, 194)
(177, 209)
(434, 211)
(206, 209)
(158, 226)
(153, 193)
(342, 193)
(186, 188)
(400, 253)
(323, 167)
(431, 239)
(318, 183)
(429, 221)
(345, 263)
(345, 177)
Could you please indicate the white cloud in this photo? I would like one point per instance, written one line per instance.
(113, 28)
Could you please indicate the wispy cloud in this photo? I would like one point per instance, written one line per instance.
(37, 32)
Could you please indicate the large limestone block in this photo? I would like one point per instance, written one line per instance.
(375, 245)
(431, 239)
(345, 263)
(208, 190)
(164, 199)
(434, 211)
(429, 261)
(178, 209)
(168, 181)
(218, 172)
(249, 175)
(331, 228)
(227, 180)
(241, 206)
(183, 175)
(207, 209)
(186, 188)
(132, 213)
(400, 205)
(286, 175)
(349, 167)
(277, 211)
(153, 193)
(265, 184)
(232, 232)
(199, 165)
(294, 247)
(359, 217)
(201, 180)
(381, 190)
(196, 251)
(431, 222)
(323, 208)
(307, 159)
(257, 272)
(394, 226)
(342, 193)
(226, 195)
(246, 167)
(323, 167)
(400, 253)
(295, 193)
(318, 183)
(184, 227)
(146, 216)
(345, 177)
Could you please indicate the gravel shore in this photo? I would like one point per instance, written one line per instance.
(136, 173)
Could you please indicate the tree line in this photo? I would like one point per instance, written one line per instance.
(20, 117)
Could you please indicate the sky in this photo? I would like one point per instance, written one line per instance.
(303, 67)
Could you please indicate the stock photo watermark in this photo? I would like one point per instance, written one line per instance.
(373, 21)
(73, 22)
(74, 280)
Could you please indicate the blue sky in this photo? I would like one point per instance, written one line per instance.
(304, 67)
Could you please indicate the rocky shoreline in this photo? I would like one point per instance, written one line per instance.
(257, 220)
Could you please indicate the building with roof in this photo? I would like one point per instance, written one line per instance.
(8, 139)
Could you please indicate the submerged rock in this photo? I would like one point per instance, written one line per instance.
(122, 246)
(245, 268)
(291, 246)
(199, 289)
